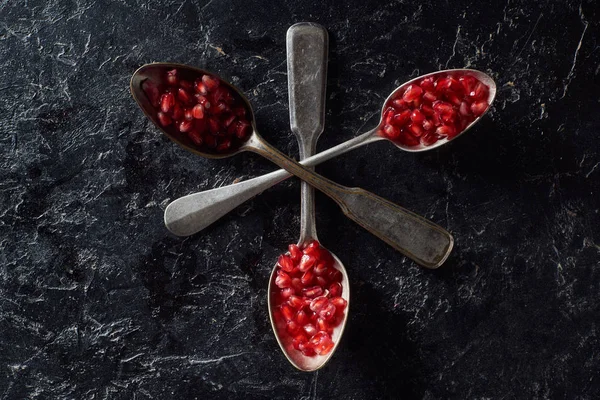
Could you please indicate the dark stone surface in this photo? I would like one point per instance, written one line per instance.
(99, 301)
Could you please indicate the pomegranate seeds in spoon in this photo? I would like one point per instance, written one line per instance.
(434, 108)
(307, 298)
(200, 110)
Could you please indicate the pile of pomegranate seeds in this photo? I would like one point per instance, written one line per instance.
(307, 298)
(212, 115)
(434, 108)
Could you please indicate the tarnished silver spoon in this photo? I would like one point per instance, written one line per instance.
(418, 238)
(307, 45)
(192, 213)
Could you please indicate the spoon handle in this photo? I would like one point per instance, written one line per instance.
(192, 213)
(419, 239)
(307, 46)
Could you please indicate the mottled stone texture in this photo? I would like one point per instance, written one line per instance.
(99, 301)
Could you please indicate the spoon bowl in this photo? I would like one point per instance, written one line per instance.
(481, 76)
(295, 357)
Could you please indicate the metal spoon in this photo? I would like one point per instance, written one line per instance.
(307, 78)
(192, 213)
(423, 241)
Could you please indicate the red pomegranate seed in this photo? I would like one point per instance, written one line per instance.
(321, 281)
(427, 125)
(239, 112)
(288, 312)
(218, 94)
(219, 108)
(428, 140)
(302, 318)
(196, 138)
(185, 126)
(164, 119)
(327, 312)
(427, 110)
(214, 126)
(307, 350)
(210, 81)
(293, 327)
(430, 97)
(306, 262)
(201, 88)
(224, 144)
(468, 83)
(445, 130)
(321, 269)
(464, 109)
(198, 111)
(417, 117)
(402, 118)
(296, 301)
(177, 113)
(480, 92)
(408, 139)
(335, 275)
(285, 263)
(283, 280)
(391, 131)
(312, 291)
(427, 84)
(322, 325)
(243, 129)
(307, 277)
(229, 120)
(310, 329)
(297, 284)
(412, 93)
(479, 107)
(399, 104)
(172, 77)
(167, 101)
(188, 114)
(184, 96)
(295, 252)
(415, 129)
(187, 85)
(318, 303)
(339, 303)
(203, 100)
(288, 292)
(299, 339)
(335, 289)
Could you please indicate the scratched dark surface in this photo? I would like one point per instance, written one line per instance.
(99, 301)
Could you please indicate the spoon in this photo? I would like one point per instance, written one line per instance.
(192, 213)
(307, 77)
(421, 240)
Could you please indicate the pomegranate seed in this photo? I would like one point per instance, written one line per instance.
(187, 85)
(287, 311)
(402, 118)
(302, 318)
(188, 114)
(312, 291)
(388, 115)
(152, 92)
(227, 122)
(335, 275)
(399, 104)
(283, 280)
(445, 130)
(198, 111)
(214, 125)
(288, 292)
(186, 126)
(430, 97)
(306, 262)
(243, 129)
(299, 339)
(220, 108)
(321, 268)
(427, 83)
(218, 94)
(479, 107)
(335, 289)
(417, 117)
(327, 312)
(339, 303)
(322, 325)
(203, 100)
(454, 99)
(239, 112)
(318, 303)
(427, 125)
(295, 252)
(427, 110)
(293, 327)
(297, 284)
(172, 77)
(408, 139)
(164, 119)
(307, 277)
(464, 109)
(415, 130)
(184, 96)
(224, 144)
(468, 83)
(201, 88)
(428, 140)
(310, 329)
(210, 81)
(391, 131)
(480, 92)
(307, 350)
(412, 93)
(167, 101)
(324, 347)
(196, 138)
(321, 281)
(296, 301)
(285, 263)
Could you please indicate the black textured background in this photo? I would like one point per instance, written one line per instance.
(99, 301)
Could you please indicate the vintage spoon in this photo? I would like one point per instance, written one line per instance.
(418, 238)
(307, 77)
